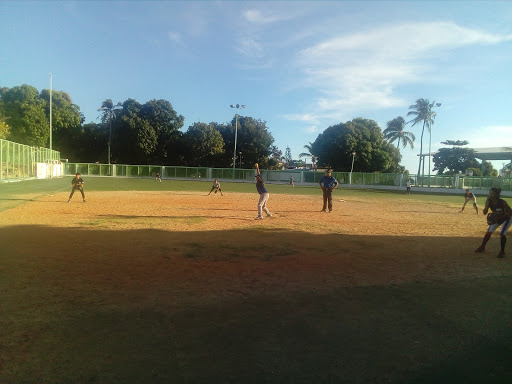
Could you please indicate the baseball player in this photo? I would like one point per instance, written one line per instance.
(291, 182)
(501, 215)
(216, 187)
(77, 184)
(157, 177)
(328, 183)
(467, 197)
(264, 195)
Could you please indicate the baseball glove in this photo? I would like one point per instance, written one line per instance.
(495, 218)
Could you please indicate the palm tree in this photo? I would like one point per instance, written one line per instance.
(395, 131)
(108, 113)
(309, 153)
(422, 112)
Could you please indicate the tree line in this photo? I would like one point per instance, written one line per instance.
(130, 132)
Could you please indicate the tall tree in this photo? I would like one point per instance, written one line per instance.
(423, 113)
(5, 131)
(66, 120)
(395, 131)
(92, 138)
(108, 113)
(166, 123)
(203, 144)
(309, 153)
(288, 157)
(454, 160)
(275, 159)
(146, 133)
(26, 113)
(336, 144)
(254, 141)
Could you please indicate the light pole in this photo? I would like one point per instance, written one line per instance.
(51, 148)
(430, 145)
(237, 106)
(352, 168)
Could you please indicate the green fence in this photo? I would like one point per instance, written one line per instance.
(18, 161)
(283, 176)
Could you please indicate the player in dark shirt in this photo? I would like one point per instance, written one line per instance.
(501, 215)
(328, 183)
(77, 184)
(264, 195)
(467, 197)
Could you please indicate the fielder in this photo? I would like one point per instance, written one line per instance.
(501, 215)
(264, 195)
(77, 184)
(467, 197)
(408, 186)
(216, 188)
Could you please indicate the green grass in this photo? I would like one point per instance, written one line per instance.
(11, 193)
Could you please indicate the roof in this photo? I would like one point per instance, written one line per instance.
(493, 153)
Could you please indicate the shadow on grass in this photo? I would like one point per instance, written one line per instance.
(251, 306)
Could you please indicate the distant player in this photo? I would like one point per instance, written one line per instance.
(264, 195)
(77, 184)
(501, 215)
(467, 197)
(216, 188)
(157, 177)
(291, 183)
(408, 186)
(328, 183)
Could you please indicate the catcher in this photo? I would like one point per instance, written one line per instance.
(216, 187)
(467, 197)
(501, 215)
(77, 185)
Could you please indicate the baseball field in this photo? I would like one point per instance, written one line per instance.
(152, 282)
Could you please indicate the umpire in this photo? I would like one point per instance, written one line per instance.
(77, 184)
(328, 183)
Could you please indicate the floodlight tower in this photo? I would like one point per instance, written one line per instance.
(237, 106)
(352, 168)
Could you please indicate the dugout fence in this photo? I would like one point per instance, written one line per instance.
(19, 161)
(300, 176)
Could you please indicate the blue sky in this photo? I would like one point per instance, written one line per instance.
(301, 66)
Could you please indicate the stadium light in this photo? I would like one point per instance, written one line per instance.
(51, 163)
(237, 106)
(352, 168)
(430, 146)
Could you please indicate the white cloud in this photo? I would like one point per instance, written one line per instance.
(306, 117)
(489, 136)
(312, 129)
(250, 47)
(257, 17)
(175, 37)
(363, 70)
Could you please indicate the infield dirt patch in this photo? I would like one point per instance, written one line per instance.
(186, 287)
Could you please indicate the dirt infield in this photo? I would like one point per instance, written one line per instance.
(362, 242)
(200, 271)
